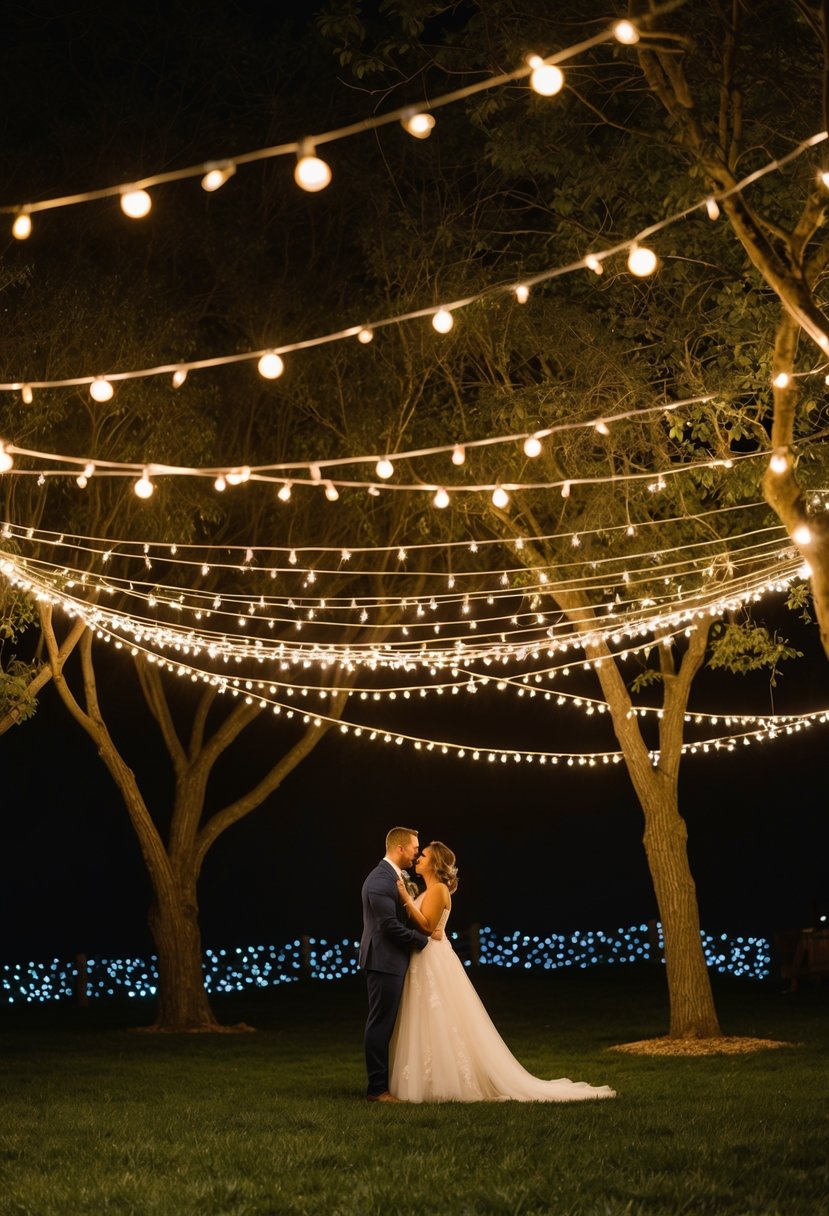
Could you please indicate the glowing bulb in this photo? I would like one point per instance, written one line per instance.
(88, 469)
(625, 32)
(443, 321)
(144, 487)
(594, 264)
(236, 476)
(779, 461)
(26, 394)
(824, 177)
(602, 427)
(6, 461)
(712, 208)
(220, 484)
(441, 499)
(271, 366)
(179, 376)
(100, 389)
(311, 173)
(545, 78)
(136, 204)
(532, 446)
(782, 380)
(802, 535)
(331, 491)
(458, 454)
(365, 336)
(284, 492)
(384, 468)
(565, 490)
(217, 175)
(419, 125)
(522, 293)
(22, 226)
(641, 261)
(500, 498)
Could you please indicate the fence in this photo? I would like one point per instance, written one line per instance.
(241, 968)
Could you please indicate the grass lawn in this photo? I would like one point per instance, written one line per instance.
(94, 1119)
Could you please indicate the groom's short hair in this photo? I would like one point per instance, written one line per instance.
(399, 836)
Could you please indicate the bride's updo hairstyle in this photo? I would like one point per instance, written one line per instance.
(443, 864)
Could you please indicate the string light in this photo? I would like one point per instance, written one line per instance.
(101, 389)
(6, 461)
(532, 446)
(365, 336)
(179, 376)
(384, 468)
(545, 78)
(782, 380)
(779, 462)
(500, 498)
(136, 204)
(311, 173)
(802, 535)
(237, 477)
(418, 124)
(27, 394)
(712, 208)
(331, 491)
(144, 487)
(284, 492)
(593, 263)
(443, 321)
(522, 293)
(626, 33)
(22, 226)
(458, 454)
(441, 499)
(271, 366)
(217, 175)
(641, 261)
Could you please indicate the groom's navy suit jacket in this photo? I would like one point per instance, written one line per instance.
(387, 940)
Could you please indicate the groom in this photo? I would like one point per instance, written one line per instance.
(385, 948)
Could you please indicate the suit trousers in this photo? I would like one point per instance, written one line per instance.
(384, 993)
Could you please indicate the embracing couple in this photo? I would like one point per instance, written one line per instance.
(428, 1037)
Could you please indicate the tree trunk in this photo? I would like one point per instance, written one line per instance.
(183, 1004)
(692, 1012)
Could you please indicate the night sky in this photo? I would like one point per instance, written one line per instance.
(538, 849)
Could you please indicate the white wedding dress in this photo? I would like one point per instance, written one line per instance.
(445, 1048)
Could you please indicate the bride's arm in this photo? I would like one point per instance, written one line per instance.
(427, 916)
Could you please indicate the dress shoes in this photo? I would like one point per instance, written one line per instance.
(386, 1097)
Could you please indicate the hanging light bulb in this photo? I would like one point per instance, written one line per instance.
(271, 366)
(522, 293)
(220, 484)
(532, 446)
(144, 487)
(420, 125)
(802, 535)
(27, 394)
(6, 460)
(284, 492)
(782, 380)
(100, 389)
(136, 203)
(626, 33)
(641, 261)
(365, 335)
(593, 263)
(500, 498)
(81, 481)
(22, 226)
(565, 490)
(179, 376)
(236, 476)
(824, 177)
(217, 174)
(311, 173)
(458, 454)
(443, 321)
(712, 207)
(384, 468)
(602, 427)
(779, 461)
(331, 491)
(88, 469)
(441, 499)
(546, 79)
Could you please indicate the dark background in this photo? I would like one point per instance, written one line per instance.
(538, 848)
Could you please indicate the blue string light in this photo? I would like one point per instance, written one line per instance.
(242, 968)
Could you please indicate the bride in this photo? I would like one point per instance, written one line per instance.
(445, 1047)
